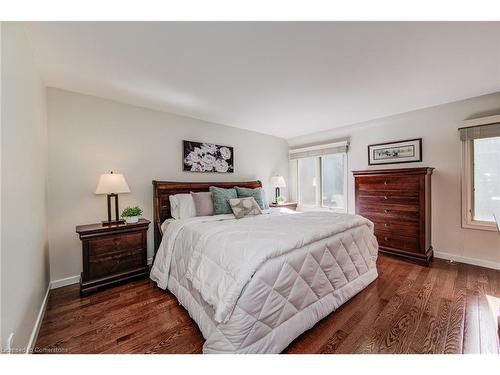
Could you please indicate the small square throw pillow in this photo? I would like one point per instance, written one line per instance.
(221, 197)
(243, 207)
(203, 203)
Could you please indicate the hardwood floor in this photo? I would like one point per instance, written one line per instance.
(444, 308)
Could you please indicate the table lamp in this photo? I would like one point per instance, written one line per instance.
(112, 184)
(277, 182)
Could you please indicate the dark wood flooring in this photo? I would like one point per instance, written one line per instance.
(444, 308)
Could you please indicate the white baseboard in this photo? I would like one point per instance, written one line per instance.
(38, 322)
(54, 284)
(467, 260)
(75, 279)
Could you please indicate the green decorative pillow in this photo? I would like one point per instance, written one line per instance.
(221, 199)
(254, 193)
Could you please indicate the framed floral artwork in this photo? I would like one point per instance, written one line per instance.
(207, 157)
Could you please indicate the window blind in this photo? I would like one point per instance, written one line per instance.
(333, 147)
(480, 131)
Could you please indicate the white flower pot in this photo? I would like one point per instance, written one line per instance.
(132, 219)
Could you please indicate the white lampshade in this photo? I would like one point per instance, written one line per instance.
(278, 181)
(112, 183)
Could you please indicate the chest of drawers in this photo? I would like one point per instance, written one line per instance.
(398, 202)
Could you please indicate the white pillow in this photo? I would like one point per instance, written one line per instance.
(182, 206)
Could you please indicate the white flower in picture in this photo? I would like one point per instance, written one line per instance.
(221, 166)
(208, 148)
(208, 160)
(188, 160)
(197, 168)
(196, 155)
(225, 153)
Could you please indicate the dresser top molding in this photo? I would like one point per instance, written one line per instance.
(408, 171)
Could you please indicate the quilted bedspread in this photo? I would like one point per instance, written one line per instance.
(226, 253)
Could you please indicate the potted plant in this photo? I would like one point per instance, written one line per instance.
(131, 214)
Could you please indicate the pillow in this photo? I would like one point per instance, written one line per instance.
(182, 206)
(244, 207)
(221, 199)
(255, 193)
(203, 204)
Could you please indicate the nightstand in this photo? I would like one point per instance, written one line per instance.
(289, 205)
(112, 254)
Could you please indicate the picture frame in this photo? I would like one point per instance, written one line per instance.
(396, 152)
(207, 157)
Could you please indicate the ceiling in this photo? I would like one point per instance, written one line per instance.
(281, 78)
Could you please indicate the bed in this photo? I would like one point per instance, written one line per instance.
(255, 284)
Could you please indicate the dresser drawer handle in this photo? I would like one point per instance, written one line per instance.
(386, 211)
(385, 197)
(386, 238)
(386, 225)
(385, 182)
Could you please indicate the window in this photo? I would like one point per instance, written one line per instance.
(486, 178)
(481, 176)
(333, 181)
(322, 181)
(308, 181)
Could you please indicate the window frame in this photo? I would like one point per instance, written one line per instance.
(467, 178)
(319, 186)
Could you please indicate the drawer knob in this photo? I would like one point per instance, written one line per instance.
(386, 238)
(386, 225)
(385, 182)
(386, 211)
(385, 197)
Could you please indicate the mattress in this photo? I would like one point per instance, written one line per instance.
(254, 285)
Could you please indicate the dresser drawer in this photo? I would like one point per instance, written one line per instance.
(115, 244)
(381, 212)
(109, 265)
(397, 241)
(375, 197)
(385, 183)
(390, 225)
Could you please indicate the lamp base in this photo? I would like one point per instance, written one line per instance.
(277, 194)
(112, 222)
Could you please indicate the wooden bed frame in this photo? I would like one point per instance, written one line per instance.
(162, 190)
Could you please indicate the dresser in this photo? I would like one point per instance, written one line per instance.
(112, 254)
(398, 202)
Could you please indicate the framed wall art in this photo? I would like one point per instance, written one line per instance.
(406, 151)
(207, 157)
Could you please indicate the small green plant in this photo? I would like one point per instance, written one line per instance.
(131, 211)
(281, 199)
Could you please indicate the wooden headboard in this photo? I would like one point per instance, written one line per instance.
(162, 190)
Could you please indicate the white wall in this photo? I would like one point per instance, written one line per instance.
(24, 246)
(89, 136)
(441, 150)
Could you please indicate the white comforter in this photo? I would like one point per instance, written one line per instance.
(225, 252)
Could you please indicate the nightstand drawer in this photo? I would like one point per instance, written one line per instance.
(109, 265)
(115, 244)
